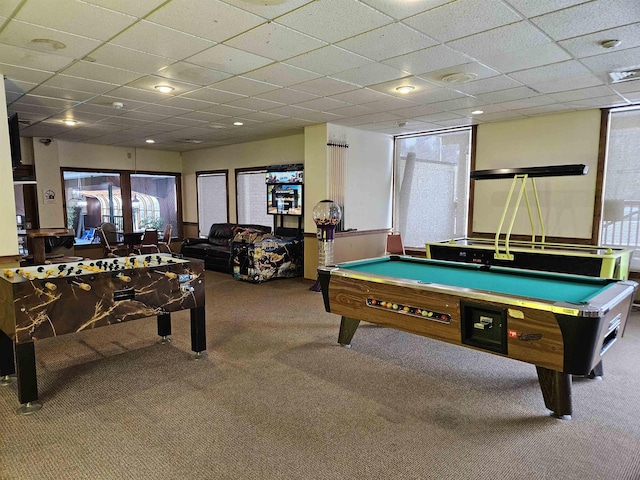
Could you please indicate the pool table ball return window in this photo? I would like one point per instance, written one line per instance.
(563, 324)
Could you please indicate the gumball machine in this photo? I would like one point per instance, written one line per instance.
(326, 214)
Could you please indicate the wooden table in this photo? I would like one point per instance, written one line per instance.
(36, 241)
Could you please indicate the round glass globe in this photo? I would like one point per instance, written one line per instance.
(327, 212)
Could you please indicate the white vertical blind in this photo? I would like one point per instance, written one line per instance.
(621, 205)
(212, 200)
(251, 191)
(432, 186)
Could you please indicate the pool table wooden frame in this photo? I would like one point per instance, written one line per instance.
(561, 339)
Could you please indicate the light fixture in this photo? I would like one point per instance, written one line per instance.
(477, 112)
(117, 105)
(48, 45)
(458, 78)
(150, 140)
(238, 124)
(164, 88)
(405, 88)
(70, 122)
(135, 203)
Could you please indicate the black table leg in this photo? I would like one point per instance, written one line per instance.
(164, 327)
(7, 364)
(348, 327)
(198, 334)
(27, 382)
(597, 372)
(556, 391)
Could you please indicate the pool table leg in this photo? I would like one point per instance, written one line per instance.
(597, 372)
(348, 327)
(556, 391)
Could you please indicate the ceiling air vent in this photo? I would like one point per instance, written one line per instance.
(617, 77)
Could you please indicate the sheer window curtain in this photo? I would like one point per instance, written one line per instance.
(432, 186)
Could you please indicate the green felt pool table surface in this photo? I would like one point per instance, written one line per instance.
(523, 283)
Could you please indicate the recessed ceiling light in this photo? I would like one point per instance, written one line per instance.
(405, 88)
(477, 112)
(149, 140)
(70, 122)
(217, 126)
(164, 88)
(458, 78)
(237, 124)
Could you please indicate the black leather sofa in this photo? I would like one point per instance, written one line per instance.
(215, 249)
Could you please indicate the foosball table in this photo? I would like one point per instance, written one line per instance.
(51, 300)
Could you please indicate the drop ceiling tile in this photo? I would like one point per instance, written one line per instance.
(162, 41)
(79, 84)
(567, 83)
(359, 96)
(333, 20)
(474, 69)
(8, 6)
(281, 74)
(104, 23)
(269, 10)
(632, 97)
(292, 122)
(400, 10)
(437, 95)
(149, 82)
(508, 95)
(438, 117)
(162, 109)
(137, 94)
(527, 102)
(263, 117)
(581, 94)
(61, 93)
(328, 60)
(142, 116)
(227, 110)
(324, 87)
(17, 86)
(29, 75)
(195, 74)
(472, 16)
(210, 19)
(420, 86)
(487, 85)
(318, 117)
(184, 102)
(23, 57)
(551, 72)
(43, 129)
(100, 73)
(83, 118)
(253, 103)
(290, 111)
(500, 116)
(275, 41)
(601, 102)
(533, 9)
(589, 45)
(30, 111)
(244, 86)
(626, 87)
(545, 109)
(211, 95)
(370, 74)
(353, 111)
(182, 120)
(286, 96)
(205, 117)
(428, 59)
(29, 36)
(501, 40)
(138, 9)
(390, 103)
(457, 104)
(128, 59)
(588, 18)
(47, 102)
(412, 112)
(229, 59)
(386, 42)
(375, 118)
(535, 56)
(322, 104)
(12, 97)
(614, 61)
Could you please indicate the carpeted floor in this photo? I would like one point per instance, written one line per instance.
(275, 397)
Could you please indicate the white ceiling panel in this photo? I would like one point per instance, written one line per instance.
(275, 41)
(334, 20)
(283, 65)
(210, 19)
(104, 23)
(472, 16)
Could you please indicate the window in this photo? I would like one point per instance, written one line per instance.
(621, 203)
(212, 199)
(251, 191)
(154, 202)
(432, 186)
(132, 202)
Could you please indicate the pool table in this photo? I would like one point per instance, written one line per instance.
(563, 324)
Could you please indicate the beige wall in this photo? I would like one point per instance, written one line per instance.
(567, 203)
(9, 230)
(275, 151)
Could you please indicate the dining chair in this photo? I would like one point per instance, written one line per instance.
(394, 243)
(111, 249)
(164, 244)
(149, 243)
